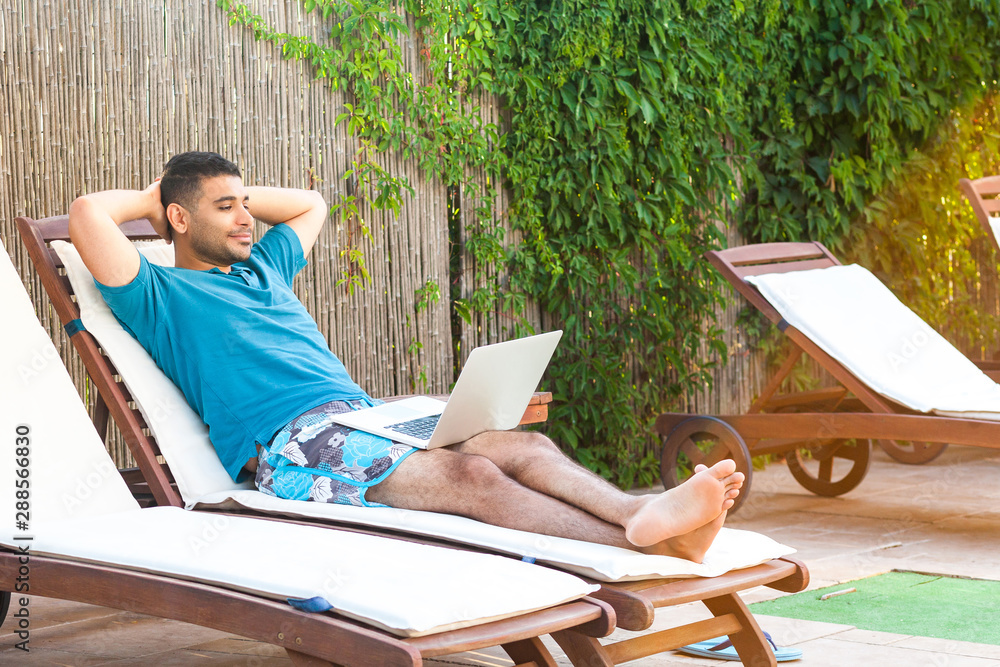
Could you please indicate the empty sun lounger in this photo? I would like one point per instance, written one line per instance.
(899, 381)
(75, 532)
(200, 482)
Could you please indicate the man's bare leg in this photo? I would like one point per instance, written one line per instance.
(471, 485)
(534, 461)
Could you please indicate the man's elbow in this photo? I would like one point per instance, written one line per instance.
(317, 202)
(81, 211)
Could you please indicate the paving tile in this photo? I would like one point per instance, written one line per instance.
(951, 647)
(42, 657)
(793, 632)
(492, 657)
(46, 612)
(989, 513)
(831, 652)
(913, 509)
(239, 645)
(122, 635)
(968, 467)
(872, 637)
(674, 658)
(190, 658)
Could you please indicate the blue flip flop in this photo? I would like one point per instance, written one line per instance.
(722, 649)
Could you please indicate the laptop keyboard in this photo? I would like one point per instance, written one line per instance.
(418, 428)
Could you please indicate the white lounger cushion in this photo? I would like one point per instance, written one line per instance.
(69, 473)
(732, 549)
(407, 588)
(203, 482)
(80, 509)
(854, 318)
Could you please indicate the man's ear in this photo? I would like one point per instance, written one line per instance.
(178, 219)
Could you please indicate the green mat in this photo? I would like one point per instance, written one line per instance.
(904, 603)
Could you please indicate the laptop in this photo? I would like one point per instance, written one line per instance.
(491, 394)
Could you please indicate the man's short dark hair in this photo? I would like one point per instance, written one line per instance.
(182, 176)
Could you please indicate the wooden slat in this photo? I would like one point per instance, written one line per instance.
(126, 395)
(671, 638)
(770, 253)
(774, 384)
(785, 267)
(803, 398)
(988, 186)
(139, 419)
(839, 426)
(592, 618)
(979, 194)
(56, 260)
(670, 592)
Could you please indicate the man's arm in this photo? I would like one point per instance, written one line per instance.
(93, 228)
(302, 210)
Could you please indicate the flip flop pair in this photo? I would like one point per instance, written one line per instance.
(722, 649)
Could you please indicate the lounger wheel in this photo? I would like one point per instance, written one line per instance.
(833, 468)
(704, 440)
(912, 452)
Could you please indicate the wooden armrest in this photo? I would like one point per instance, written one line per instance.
(538, 408)
(537, 412)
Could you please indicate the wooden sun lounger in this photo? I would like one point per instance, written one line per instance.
(832, 424)
(634, 603)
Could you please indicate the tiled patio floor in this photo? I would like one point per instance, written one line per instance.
(942, 517)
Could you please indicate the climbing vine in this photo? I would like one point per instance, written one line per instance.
(868, 83)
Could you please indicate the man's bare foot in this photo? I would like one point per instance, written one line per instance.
(690, 546)
(681, 510)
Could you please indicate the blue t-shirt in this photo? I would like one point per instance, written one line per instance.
(240, 345)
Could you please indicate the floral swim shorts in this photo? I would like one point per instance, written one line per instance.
(313, 458)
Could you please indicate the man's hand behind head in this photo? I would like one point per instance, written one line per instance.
(157, 215)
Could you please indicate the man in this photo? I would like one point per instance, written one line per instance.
(225, 326)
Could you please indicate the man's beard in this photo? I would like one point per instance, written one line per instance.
(215, 251)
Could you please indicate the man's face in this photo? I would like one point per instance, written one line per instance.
(220, 229)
